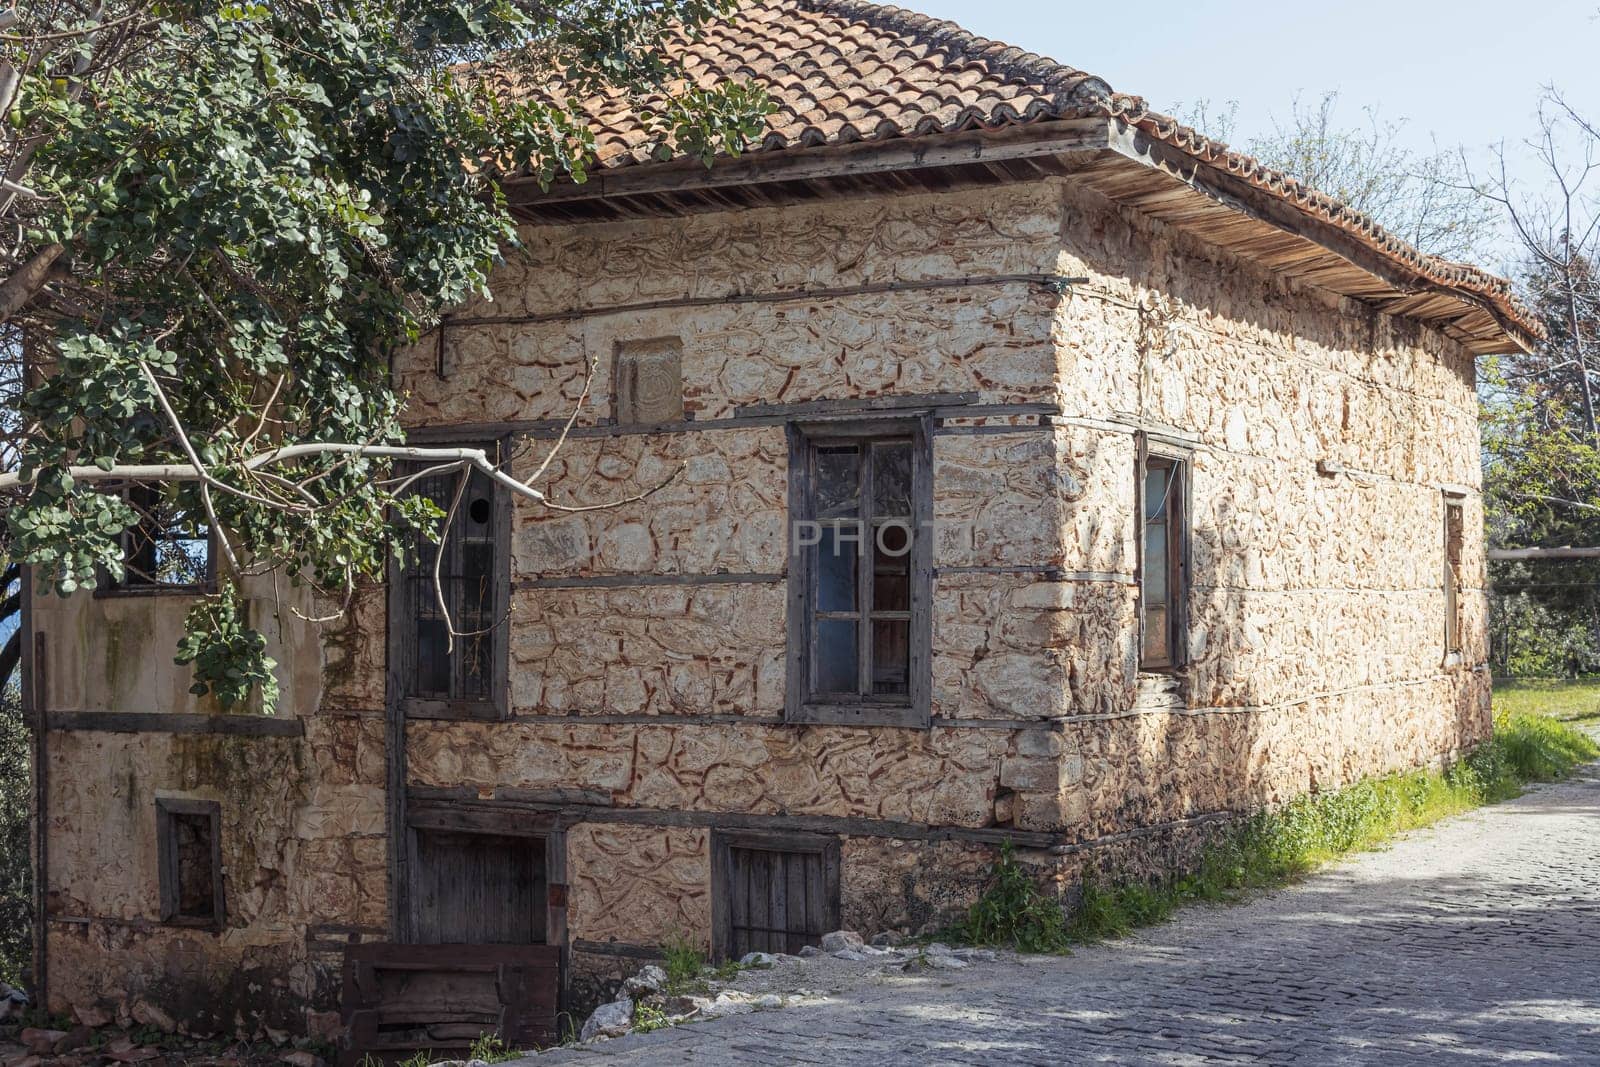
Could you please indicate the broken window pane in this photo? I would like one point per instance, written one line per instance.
(891, 657)
(838, 482)
(836, 656)
(891, 480)
(169, 546)
(196, 877)
(891, 569)
(836, 568)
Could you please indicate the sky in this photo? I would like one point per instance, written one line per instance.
(1467, 73)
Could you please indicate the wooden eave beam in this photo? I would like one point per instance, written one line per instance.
(1134, 144)
(830, 161)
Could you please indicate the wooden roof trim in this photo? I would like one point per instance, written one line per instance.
(835, 161)
(1232, 192)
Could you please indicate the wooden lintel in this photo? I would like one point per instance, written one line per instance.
(828, 161)
(632, 581)
(161, 722)
(861, 404)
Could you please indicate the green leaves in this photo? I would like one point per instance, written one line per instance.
(229, 658)
(260, 202)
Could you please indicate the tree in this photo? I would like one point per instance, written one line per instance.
(220, 218)
(1421, 197)
(1541, 444)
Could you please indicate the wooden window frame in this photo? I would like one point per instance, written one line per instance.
(168, 874)
(106, 587)
(402, 619)
(1178, 510)
(800, 706)
(723, 841)
(1456, 503)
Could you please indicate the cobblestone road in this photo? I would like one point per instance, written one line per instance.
(1477, 941)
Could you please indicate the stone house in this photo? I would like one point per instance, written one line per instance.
(1023, 467)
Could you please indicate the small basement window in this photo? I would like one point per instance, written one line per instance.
(478, 889)
(1162, 577)
(189, 856)
(168, 550)
(772, 892)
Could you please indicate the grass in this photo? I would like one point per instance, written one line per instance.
(1567, 699)
(687, 968)
(490, 1048)
(1274, 848)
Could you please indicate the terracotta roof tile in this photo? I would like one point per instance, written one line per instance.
(840, 71)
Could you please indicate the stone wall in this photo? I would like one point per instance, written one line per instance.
(647, 640)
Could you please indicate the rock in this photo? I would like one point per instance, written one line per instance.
(40, 1042)
(784, 957)
(120, 1044)
(937, 948)
(984, 955)
(149, 1014)
(850, 954)
(728, 1003)
(840, 940)
(25, 1059)
(94, 1018)
(609, 1020)
(810, 952)
(323, 1025)
(75, 1038)
(944, 962)
(132, 1055)
(650, 979)
(302, 1058)
(684, 1006)
(768, 1001)
(762, 960)
(886, 939)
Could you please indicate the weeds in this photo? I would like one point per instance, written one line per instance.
(1014, 912)
(491, 1049)
(683, 961)
(417, 1059)
(647, 1018)
(1273, 848)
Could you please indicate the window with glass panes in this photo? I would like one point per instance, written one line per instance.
(1161, 574)
(859, 556)
(168, 549)
(445, 673)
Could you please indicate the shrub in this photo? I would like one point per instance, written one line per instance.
(1014, 912)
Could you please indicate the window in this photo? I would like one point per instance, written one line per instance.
(189, 859)
(459, 675)
(1454, 531)
(1161, 563)
(168, 549)
(772, 892)
(859, 573)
